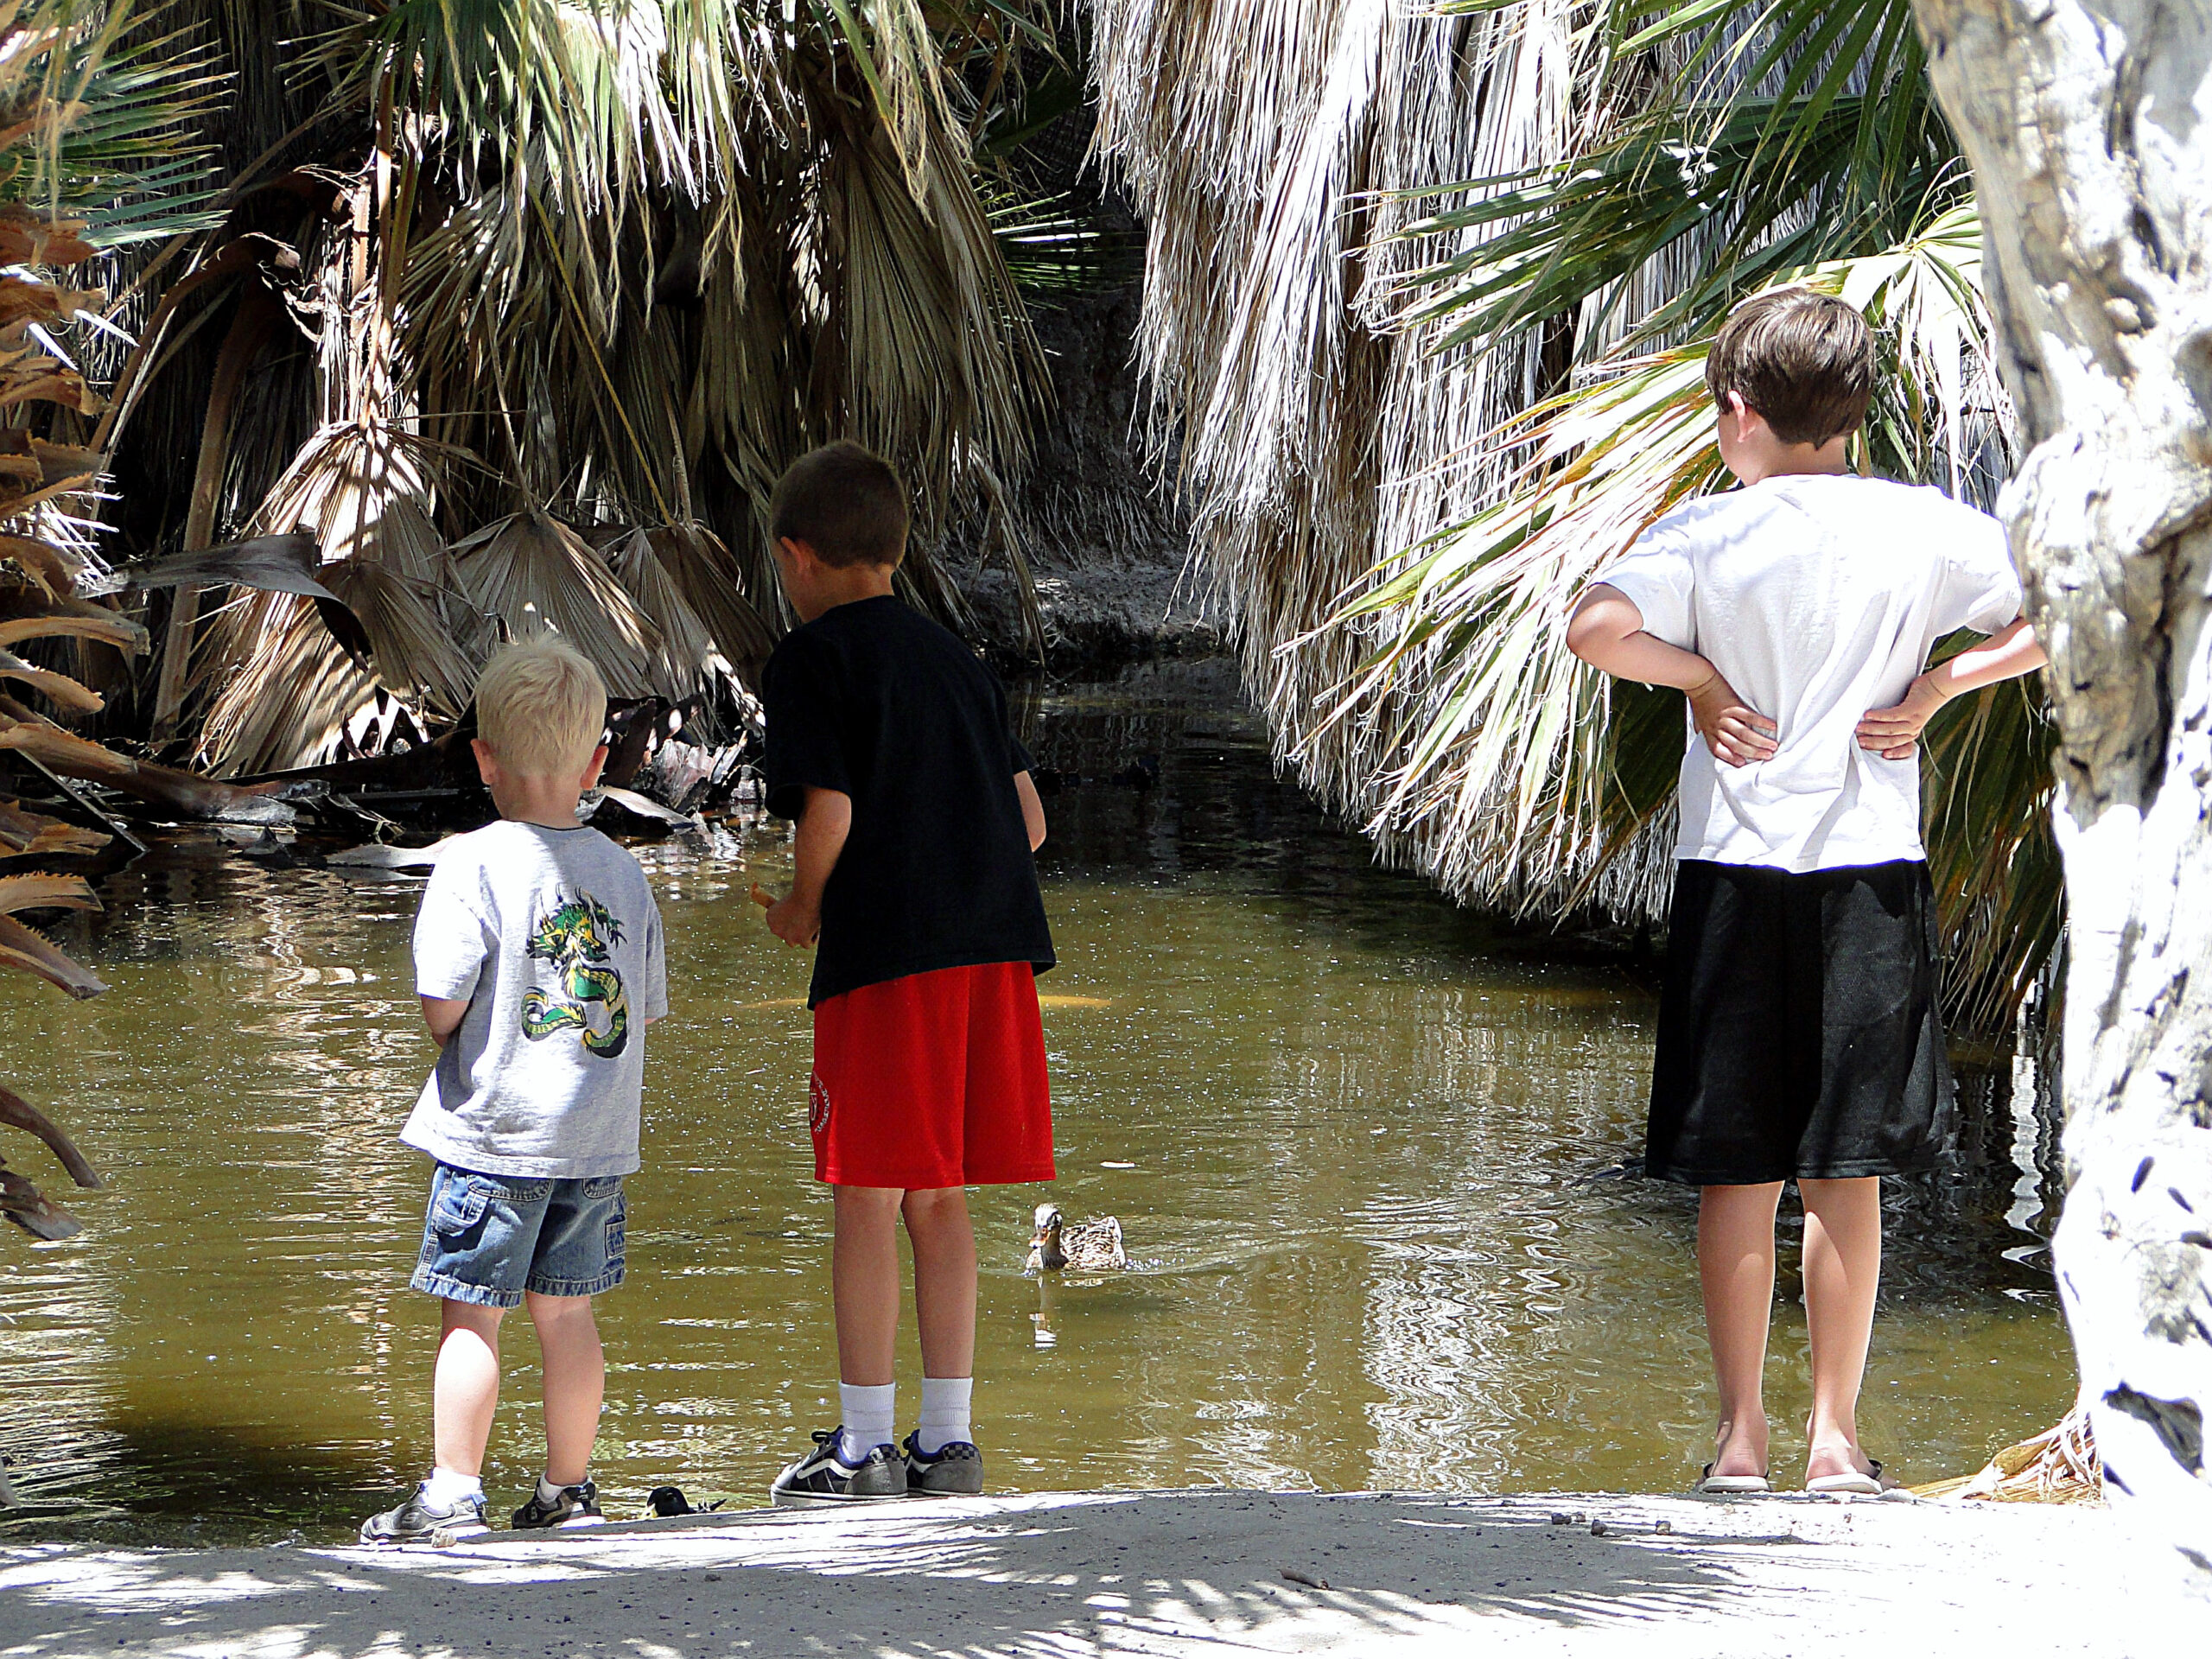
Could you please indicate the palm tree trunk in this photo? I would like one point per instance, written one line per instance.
(2089, 158)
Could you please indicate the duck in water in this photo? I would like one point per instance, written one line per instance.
(1087, 1246)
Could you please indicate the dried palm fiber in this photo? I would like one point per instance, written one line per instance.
(530, 571)
(291, 703)
(2060, 1465)
(361, 488)
(686, 659)
(709, 578)
(1260, 142)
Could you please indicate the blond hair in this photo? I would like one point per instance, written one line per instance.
(542, 706)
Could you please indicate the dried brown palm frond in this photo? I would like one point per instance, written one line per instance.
(410, 622)
(187, 793)
(710, 582)
(18, 1112)
(24, 834)
(361, 488)
(687, 658)
(25, 948)
(289, 703)
(532, 572)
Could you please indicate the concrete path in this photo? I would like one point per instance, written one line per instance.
(1218, 1574)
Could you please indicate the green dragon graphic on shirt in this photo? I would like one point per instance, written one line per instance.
(578, 939)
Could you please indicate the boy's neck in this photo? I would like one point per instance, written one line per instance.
(835, 585)
(545, 801)
(1771, 460)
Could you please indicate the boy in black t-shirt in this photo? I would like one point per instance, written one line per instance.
(887, 742)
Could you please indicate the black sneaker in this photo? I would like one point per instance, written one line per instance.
(955, 1468)
(418, 1520)
(824, 1476)
(576, 1506)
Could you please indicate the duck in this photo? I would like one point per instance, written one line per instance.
(1087, 1246)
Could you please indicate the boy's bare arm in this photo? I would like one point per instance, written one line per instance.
(1606, 631)
(442, 1014)
(823, 828)
(1032, 809)
(1894, 732)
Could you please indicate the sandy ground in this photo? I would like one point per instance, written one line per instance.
(1170, 1574)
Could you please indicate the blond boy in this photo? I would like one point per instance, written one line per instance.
(537, 956)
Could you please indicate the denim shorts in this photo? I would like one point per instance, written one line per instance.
(488, 1238)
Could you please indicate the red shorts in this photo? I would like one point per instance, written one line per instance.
(937, 1079)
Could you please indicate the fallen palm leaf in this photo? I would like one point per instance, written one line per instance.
(2060, 1465)
(32, 1210)
(105, 627)
(28, 948)
(44, 890)
(59, 687)
(33, 835)
(16, 1110)
(187, 792)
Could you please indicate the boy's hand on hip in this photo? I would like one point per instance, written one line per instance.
(795, 923)
(1737, 733)
(1894, 732)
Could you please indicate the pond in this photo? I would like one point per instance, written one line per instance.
(1349, 1131)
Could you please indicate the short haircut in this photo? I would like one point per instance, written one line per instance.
(542, 706)
(1804, 360)
(844, 501)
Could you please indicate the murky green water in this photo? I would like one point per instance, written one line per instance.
(1341, 1124)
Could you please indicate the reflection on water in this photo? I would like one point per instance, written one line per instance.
(1342, 1124)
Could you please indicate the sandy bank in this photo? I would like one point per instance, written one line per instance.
(1170, 1574)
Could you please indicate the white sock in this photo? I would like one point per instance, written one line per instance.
(871, 1418)
(945, 1413)
(548, 1493)
(444, 1488)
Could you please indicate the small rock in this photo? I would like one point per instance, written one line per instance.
(1664, 1526)
(1561, 1518)
(1597, 1529)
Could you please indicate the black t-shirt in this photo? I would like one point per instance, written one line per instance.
(874, 700)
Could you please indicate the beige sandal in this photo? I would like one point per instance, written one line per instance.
(1872, 1483)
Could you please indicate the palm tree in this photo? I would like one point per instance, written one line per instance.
(1428, 302)
(95, 154)
(508, 281)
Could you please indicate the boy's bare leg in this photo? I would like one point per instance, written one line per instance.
(465, 1387)
(944, 1278)
(1735, 1259)
(1843, 1265)
(864, 1282)
(575, 1382)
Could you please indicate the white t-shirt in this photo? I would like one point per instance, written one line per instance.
(1818, 597)
(553, 938)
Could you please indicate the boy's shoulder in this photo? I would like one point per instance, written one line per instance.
(505, 850)
(869, 634)
(1842, 504)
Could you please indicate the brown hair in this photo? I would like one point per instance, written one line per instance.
(1805, 361)
(844, 501)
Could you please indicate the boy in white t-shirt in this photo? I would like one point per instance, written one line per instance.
(1799, 1033)
(539, 958)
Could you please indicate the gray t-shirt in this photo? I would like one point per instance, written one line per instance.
(553, 938)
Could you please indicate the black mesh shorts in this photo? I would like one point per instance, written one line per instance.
(1799, 1033)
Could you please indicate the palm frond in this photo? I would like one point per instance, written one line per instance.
(535, 575)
